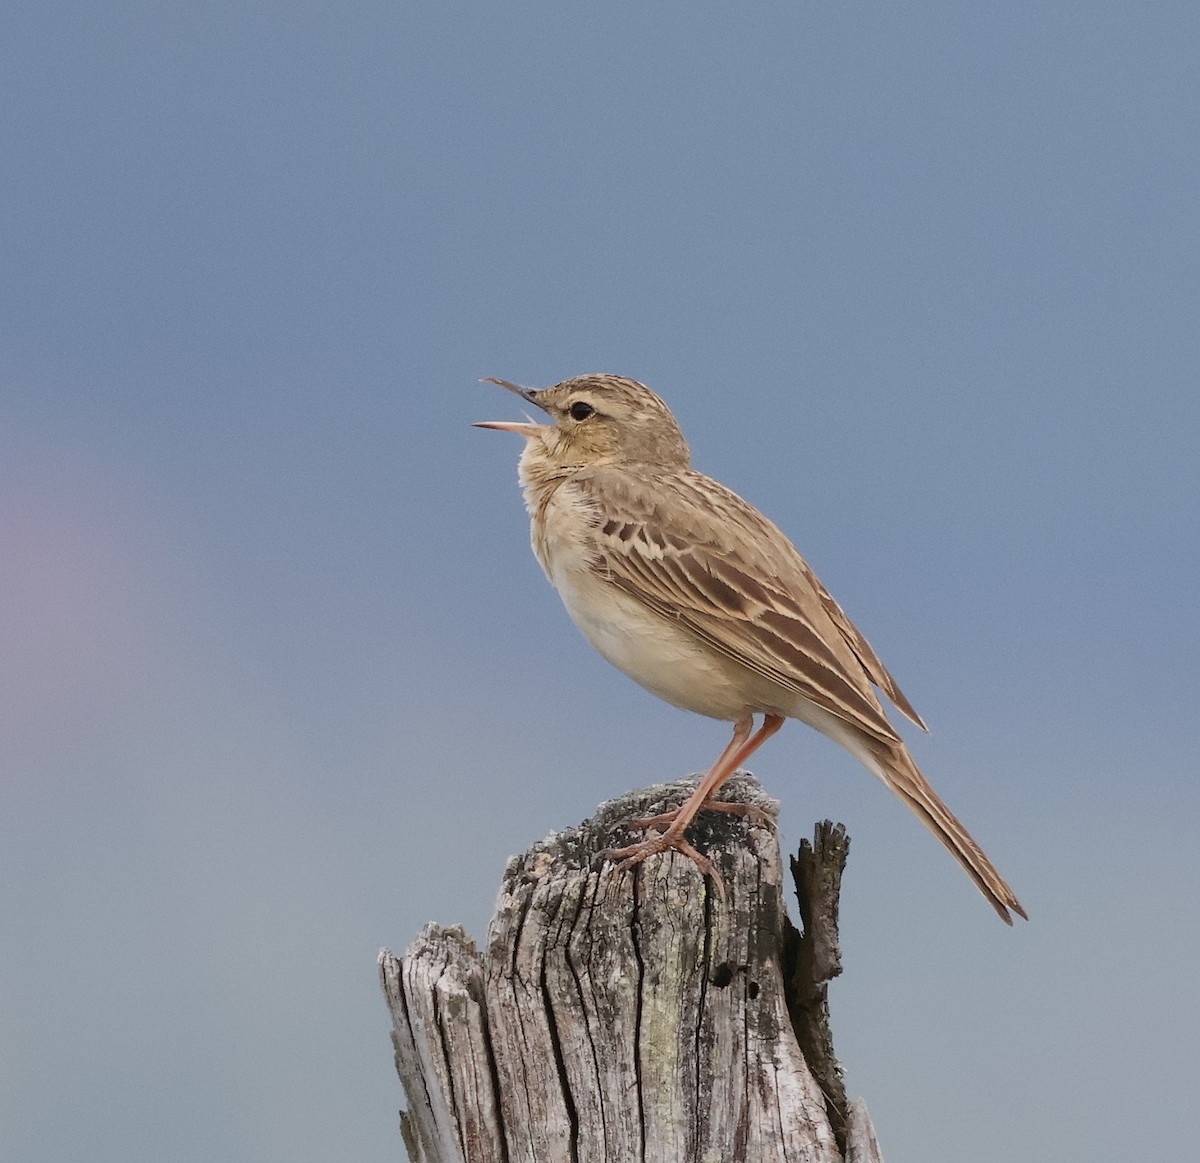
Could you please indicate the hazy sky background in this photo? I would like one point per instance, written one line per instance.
(280, 679)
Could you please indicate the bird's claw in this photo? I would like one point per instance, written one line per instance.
(633, 854)
(753, 812)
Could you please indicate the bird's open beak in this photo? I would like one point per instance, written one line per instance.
(529, 430)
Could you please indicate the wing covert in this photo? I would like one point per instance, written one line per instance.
(700, 556)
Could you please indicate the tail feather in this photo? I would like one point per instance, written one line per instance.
(895, 766)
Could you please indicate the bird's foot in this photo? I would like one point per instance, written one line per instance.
(755, 814)
(668, 841)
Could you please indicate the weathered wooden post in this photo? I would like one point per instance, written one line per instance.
(621, 1017)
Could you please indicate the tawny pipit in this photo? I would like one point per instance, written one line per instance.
(697, 596)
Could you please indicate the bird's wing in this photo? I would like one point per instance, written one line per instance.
(697, 554)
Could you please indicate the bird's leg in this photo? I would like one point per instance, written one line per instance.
(741, 732)
(739, 749)
(729, 807)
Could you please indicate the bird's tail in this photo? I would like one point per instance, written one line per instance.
(895, 766)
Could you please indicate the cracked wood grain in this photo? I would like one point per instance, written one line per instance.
(813, 958)
(630, 1017)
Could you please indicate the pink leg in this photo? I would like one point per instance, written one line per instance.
(727, 807)
(740, 748)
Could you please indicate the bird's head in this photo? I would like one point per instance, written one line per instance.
(596, 420)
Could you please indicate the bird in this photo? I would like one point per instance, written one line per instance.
(702, 600)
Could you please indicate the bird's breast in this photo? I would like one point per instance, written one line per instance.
(661, 656)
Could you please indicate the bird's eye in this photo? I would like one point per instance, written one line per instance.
(580, 410)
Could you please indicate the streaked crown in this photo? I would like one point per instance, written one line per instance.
(611, 419)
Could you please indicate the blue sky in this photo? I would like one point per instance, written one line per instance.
(281, 680)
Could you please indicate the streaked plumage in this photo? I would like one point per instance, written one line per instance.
(697, 596)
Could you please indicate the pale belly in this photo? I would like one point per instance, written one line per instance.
(663, 658)
(654, 652)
